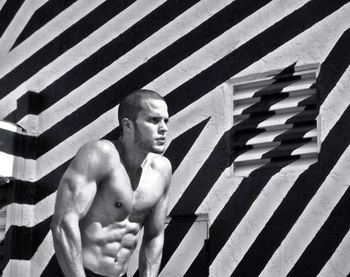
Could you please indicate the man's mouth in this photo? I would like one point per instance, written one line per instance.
(162, 140)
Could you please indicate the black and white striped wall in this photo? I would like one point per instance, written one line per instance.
(258, 93)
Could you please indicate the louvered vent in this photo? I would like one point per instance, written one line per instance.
(275, 120)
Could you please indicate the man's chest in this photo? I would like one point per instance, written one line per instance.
(132, 197)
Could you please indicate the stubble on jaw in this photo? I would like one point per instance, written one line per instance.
(145, 143)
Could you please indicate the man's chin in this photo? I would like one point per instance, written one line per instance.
(158, 149)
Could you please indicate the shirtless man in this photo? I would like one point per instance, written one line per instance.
(111, 190)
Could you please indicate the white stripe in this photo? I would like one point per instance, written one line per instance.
(42, 256)
(193, 161)
(338, 265)
(129, 62)
(224, 44)
(16, 26)
(187, 250)
(219, 195)
(253, 222)
(9, 126)
(311, 220)
(6, 164)
(30, 215)
(335, 104)
(40, 260)
(67, 149)
(44, 35)
(81, 51)
(2, 2)
(309, 47)
(17, 267)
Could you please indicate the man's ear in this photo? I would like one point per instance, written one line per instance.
(127, 124)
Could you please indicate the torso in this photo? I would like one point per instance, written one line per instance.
(110, 230)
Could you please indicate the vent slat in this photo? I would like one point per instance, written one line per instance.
(296, 149)
(279, 135)
(260, 105)
(247, 122)
(270, 88)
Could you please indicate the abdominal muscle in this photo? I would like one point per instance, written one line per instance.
(107, 250)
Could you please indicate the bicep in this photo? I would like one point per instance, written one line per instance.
(78, 185)
(75, 194)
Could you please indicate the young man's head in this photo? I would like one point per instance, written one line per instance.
(143, 117)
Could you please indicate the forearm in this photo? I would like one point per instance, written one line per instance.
(67, 243)
(151, 256)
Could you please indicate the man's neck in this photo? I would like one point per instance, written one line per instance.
(132, 156)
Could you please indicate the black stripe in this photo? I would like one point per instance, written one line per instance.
(235, 209)
(253, 50)
(41, 16)
(200, 266)
(205, 178)
(52, 269)
(32, 192)
(334, 66)
(326, 240)
(17, 144)
(177, 228)
(28, 103)
(180, 146)
(174, 233)
(182, 48)
(295, 201)
(8, 12)
(61, 44)
(238, 205)
(24, 241)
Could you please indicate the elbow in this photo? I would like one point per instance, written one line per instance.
(56, 229)
(62, 227)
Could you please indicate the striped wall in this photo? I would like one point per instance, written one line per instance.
(64, 67)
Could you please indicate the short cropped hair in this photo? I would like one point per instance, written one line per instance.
(130, 106)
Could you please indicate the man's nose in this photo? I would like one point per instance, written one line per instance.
(163, 128)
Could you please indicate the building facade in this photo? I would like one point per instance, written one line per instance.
(258, 95)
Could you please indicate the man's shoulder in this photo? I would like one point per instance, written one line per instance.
(99, 150)
(160, 164)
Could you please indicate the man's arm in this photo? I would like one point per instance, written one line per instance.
(75, 194)
(153, 239)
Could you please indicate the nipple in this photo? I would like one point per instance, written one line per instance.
(118, 204)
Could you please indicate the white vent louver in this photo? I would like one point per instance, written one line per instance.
(275, 121)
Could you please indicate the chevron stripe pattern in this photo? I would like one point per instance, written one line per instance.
(65, 66)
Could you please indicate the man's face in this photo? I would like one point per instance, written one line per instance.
(151, 125)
